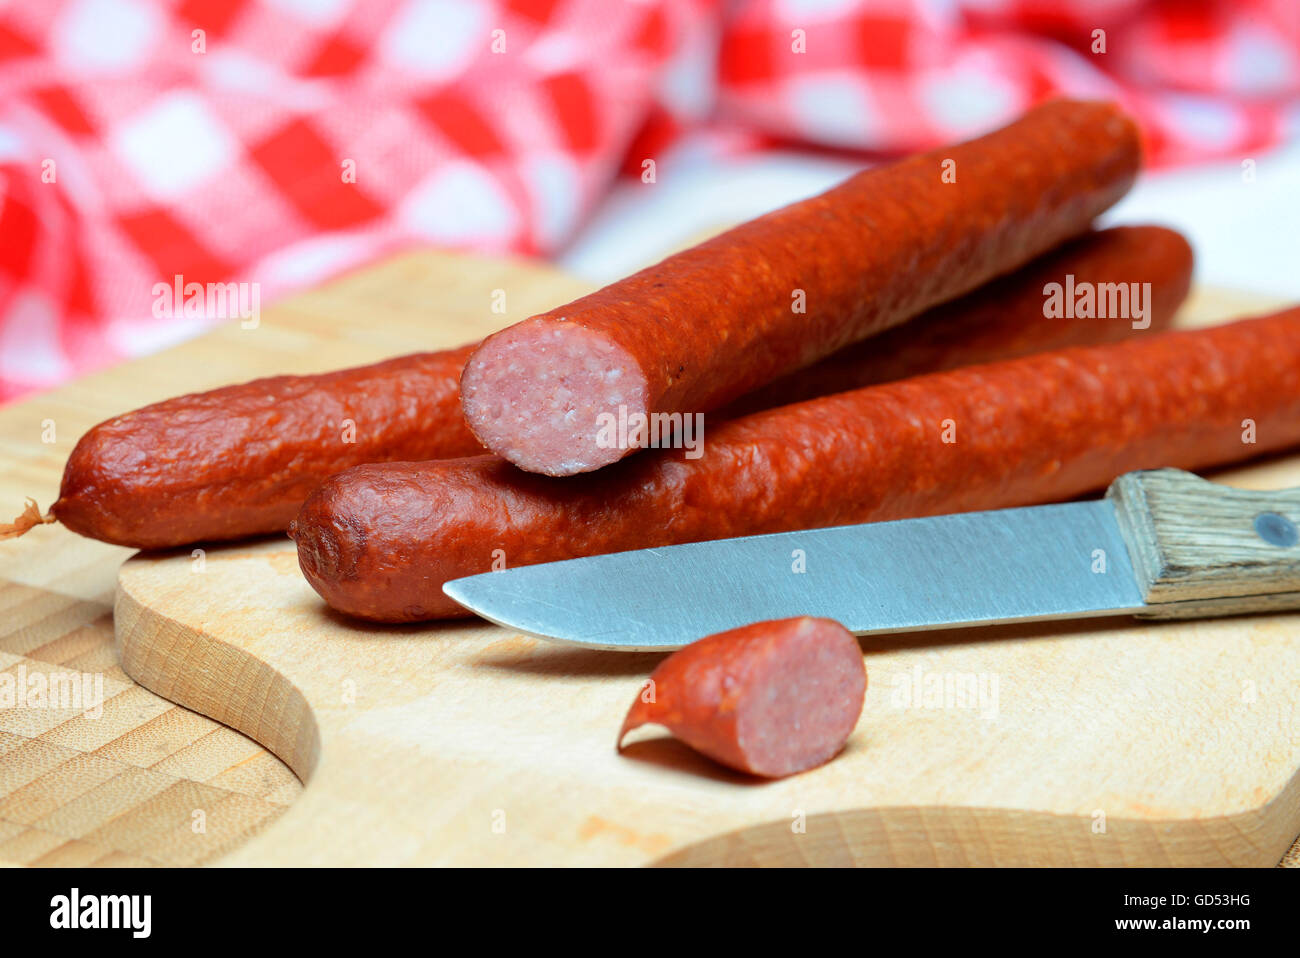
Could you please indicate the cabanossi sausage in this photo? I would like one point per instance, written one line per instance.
(1010, 316)
(239, 461)
(378, 541)
(771, 698)
(778, 293)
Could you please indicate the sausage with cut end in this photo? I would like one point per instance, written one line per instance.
(771, 698)
(780, 292)
(378, 541)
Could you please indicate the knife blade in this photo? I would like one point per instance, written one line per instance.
(973, 568)
(1026, 564)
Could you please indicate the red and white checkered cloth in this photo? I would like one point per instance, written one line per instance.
(282, 141)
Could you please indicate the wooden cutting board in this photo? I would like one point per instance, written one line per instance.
(1107, 743)
(123, 787)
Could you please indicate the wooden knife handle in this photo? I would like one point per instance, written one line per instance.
(1202, 549)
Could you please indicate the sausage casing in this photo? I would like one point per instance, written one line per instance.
(239, 461)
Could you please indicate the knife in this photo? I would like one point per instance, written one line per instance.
(1162, 544)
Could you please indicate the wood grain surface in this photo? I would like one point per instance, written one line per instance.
(125, 787)
(1197, 550)
(122, 788)
(1104, 743)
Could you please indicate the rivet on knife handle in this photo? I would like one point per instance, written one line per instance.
(1202, 549)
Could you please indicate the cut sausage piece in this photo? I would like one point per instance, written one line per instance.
(378, 541)
(771, 698)
(1010, 316)
(239, 461)
(780, 292)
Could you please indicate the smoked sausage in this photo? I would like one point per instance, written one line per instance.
(378, 541)
(1013, 316)
(239, 461)
(780, 292)
(771, 698)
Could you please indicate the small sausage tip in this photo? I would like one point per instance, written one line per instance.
(629, 723)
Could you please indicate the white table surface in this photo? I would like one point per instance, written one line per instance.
(1246, 234)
